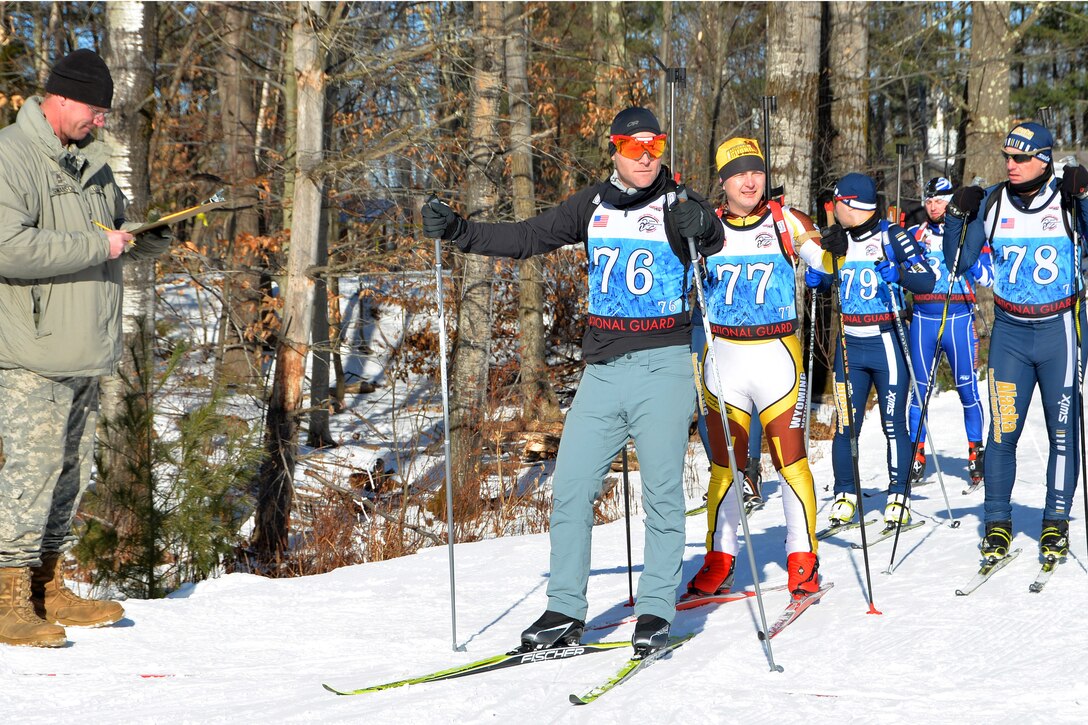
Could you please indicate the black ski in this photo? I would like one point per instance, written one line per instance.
(490, 664)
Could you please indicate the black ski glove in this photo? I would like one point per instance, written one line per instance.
(692, 220)
(833, 239)
(965, 202)
(1074, 183)
(440, 221)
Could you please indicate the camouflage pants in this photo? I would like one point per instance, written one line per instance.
(46, 442)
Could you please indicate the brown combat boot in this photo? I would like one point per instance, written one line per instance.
(55, 602)
(19, 625)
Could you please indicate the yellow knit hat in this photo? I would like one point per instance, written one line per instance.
(738, 155)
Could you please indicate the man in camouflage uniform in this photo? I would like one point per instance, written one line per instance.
(61, 246)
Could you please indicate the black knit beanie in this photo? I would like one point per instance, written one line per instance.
(630, 121)
(82, 76)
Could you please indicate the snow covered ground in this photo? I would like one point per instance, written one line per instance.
(245, 649)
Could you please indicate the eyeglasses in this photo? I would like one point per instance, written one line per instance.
(632, 148)
(1018, 158)
(97, 113)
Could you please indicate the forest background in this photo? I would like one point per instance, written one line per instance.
(328, 125)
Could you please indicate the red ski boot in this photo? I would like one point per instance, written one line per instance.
(716, 576)
(802, 567)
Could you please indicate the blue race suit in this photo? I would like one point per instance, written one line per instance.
(1036, 297)
(875, 356)
(959, 341)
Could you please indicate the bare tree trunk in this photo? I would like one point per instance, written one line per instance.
(717, 56)
(988, 91)
(793, 70)
(538, 401)
(276, 478)
(240, 359)
(987, 108)
(318, 432)
(793, 73)
(607, 18)
(471, 356)
(326, 301)
(849, 79)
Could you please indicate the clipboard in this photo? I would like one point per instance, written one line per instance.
(217, 201)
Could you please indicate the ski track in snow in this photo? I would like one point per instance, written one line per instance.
(245, 649)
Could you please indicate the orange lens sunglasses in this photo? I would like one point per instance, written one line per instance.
(633, 148)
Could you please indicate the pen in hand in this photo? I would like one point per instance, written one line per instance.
(110, 233)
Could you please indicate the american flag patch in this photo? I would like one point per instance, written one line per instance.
(600, 220)
(1008, 222)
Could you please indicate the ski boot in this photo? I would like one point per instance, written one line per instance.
(975, 451)
(753, 497)
(897, 512)
(716, 576)
(995, 544)
(918, 468)
(651, 633)
(803, 568)
(553, 629)
(1054, 541)
(843, 509)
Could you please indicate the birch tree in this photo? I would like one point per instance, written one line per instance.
(130, 54)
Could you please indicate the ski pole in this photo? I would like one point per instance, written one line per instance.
(446, 433)
(829, 219)
(848, 390)
(900, 149)
(808, 378)
(770, 105)
(627, 517)
(922, 425)
(700, 273)
(937, 351)
(1079, 394)
(935, 361)
(1046, 116)
(673, 77)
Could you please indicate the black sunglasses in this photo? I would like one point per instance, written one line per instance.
(1018, 158)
